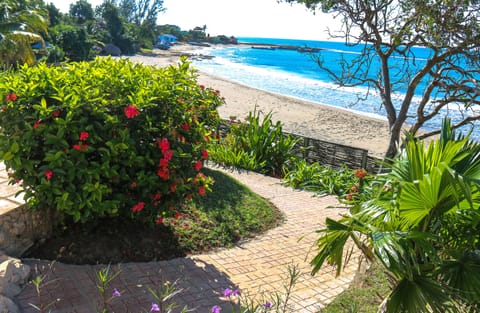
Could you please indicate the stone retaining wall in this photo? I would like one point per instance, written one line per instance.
(20, 228)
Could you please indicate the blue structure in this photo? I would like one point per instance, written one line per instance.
(165, 41)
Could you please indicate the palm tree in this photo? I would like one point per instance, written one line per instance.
(422, 225)
(20, 26)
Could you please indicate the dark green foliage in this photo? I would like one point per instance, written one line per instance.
(258, 144)
(74, 42)
(106, 138)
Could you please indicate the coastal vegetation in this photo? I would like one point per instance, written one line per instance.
(389, 32)
(421, 224)
(33, 31)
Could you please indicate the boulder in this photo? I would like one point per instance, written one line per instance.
(7, 305)
(13, 274)
(111, 49)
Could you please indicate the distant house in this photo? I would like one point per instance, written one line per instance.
(170, 39)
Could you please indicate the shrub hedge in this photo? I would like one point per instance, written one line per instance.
(107, 137)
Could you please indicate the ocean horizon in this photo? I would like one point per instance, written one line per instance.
(296, 74)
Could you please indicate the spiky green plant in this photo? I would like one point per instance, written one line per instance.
(422, 226)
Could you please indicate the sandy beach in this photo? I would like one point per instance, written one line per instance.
(297, 116)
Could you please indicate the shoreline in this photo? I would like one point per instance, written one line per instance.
(310, 119)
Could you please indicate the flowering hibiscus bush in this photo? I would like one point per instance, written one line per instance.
(107, 138)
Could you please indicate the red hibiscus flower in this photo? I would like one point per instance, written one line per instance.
(163, 163)
(157, 196)
(168, 154)
(204, 154)
(80, 147)
(186, 127)
(202, 191)
(56, 113)
(49, 174)
(37, 124)
(131, 111)
(83, 136)
(198, 165)
(11, 97)
(163, 173)
(163, 144)
(138, 207)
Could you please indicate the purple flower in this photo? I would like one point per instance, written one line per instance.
(236, 292)
(155, 308)
(227, 292)
(268, 304)
(116, 293)
(216, 309)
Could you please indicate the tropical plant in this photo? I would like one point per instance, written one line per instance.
(107, 138)
(442, 81)
(258, 144)
(422, 226)
(323, 179)
(20, 26)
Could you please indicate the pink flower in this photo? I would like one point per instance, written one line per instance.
(131, 111)
(49, 174)
(138, 207)
(198, 165)
(11, 97)
(201, 191)
(83, 136)
(204, 154)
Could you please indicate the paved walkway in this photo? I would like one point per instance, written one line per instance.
(256, 266)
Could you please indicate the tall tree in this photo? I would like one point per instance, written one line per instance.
(388, 32)
(140, 11)
(21, 24)
(81, 11)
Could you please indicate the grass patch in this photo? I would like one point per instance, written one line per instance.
(364, 295)
(230, 213)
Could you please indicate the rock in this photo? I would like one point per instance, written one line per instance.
(111, 49)
(13, 274)
(7, 305)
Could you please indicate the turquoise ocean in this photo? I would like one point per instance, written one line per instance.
(296, 74)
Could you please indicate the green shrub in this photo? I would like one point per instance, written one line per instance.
(107, 138)
(349, 185)
(257, 145)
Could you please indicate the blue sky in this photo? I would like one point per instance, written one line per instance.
(240, 18)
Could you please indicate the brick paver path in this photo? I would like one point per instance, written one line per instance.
(256, 266)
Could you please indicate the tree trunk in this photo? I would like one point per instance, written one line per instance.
(394, 143)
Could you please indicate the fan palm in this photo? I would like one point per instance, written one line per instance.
(423, 225)
(20, 26)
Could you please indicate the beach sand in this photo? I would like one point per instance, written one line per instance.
(297, 116)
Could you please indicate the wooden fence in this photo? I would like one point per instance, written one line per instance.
(327, 153)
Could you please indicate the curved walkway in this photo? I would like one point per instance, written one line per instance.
(256, 266)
